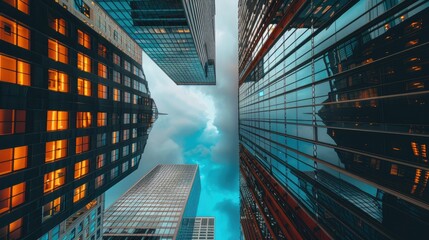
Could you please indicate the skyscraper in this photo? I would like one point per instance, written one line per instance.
(178, 35)
(333, 139)
(197, 228)
(75, 111)
(154, 207)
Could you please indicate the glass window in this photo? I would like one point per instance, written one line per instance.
(127, 65)
(57, 51)
(12, 121)
(114, 172)
(133, 147)
(58, 24)
(58, 81)
(102, 50)
(127, 97)
(14, 71)
(125, 150)
(13, 230)
(102, 70)
(81, 169)
(101, 139)
(102, 91)
(83, 119)
(116, 94)
(13, 159)
(115, 155)
(14, 33)
(51, 208)
(101, 119)
(126, 119)
(126, 134)
(116, 59)
(79, 193)
(125, 166)
(99, 181)
(116, 76)
(54, 180)
(82, 144)
(115, 137)
(21, 5)
(55, 150)
(100, 159)
(83, 39)
(57, 120)
(127, 81)
(12, 196)
(83, 87)
(83, 62)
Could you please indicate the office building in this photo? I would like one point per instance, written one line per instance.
(178, 35)
(197, 228)
(75, 111)
(332, 111)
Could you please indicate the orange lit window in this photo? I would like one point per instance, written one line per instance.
(101, 119)
(57, 51)
(83, 39)
(81, 169)
(79, 193)
(99, 181)
(12, 121)
(13, 159)
(82, 144)
(14, 33)
(21, 5)
(52, 208)
(58, 81)
(100, 159)
(115, 137)
(12, 231)
(102, 50)
(116, 94)
(83, 87)
(83, 119)
(102, 70)
(102, 91)
(83, 62)
(11, 197)
(57, 120)
(14, 71)
(55, 150)
(58, 24)
(54, 180)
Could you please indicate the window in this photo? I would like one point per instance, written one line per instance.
(12, 121)
(58, 24)
(116, 59)
(115, 35)
(102, 70)
(135, 70)
(125, 150)
(83, 87)
(126, 119)
(133, 147)
(55, 150)
(99, 160)
(82, 144)
(134, 132)
(14, 71)
(102, 91)
(58, 81)
(114, 172)
(127, 97)
(83, 39)
(83, 62)
(81, 169)
(51, 208)
(57, 51)
(127, 66)
(21, 5)
(134, 161)
(134, 117)
(115, 155)
(116, 76)
(126, 134)
(13, 159)
(125, 166)
(13, 230)
(101, 139)
(57, 120)
(79, 193)
(116, 94)
(11, 197)
(127, 81)
(54, 180)
(101, 119)
(135, 99)
(83, 119)
(99, 181)
(102, 50)
(115, 137)
(14, 33)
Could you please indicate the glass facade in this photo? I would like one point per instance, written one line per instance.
(154, 207)
(197, 228)
(332, 111)
(177, 35)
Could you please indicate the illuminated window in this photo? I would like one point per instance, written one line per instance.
(83, 119)
(102, 50)
(79, 193)
(115, 137)
(134, 118)
(83, 39)
(101, 139)
(116, 94)
(99, 181)
(116, 59)
(127, 97)
(102, 91)
(52, 208)
(114, 172)
(83, 87)
(14, 33)
(14, 71)
(58, 81)
(12, 121)
(11, 197)
(102, 70)
(135, 99)
(57, 51)
(82, 144)
(54, 180)
(81, 169)
(101, 119)
(58, 24)
(133, 147)
(57, 120)
(134, 162)
(83, 62)
(115, 155)
(12, 231)
(21, 5)
(116, 76)
(99, 160)
(126, 134)
(13, 159)
(55, 150)
(126, 119)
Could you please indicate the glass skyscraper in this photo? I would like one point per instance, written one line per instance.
(197, 228)
(75, 111)
(178, 35)
(333, 119)
(154, 207)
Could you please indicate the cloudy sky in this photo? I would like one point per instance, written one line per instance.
(200, 128)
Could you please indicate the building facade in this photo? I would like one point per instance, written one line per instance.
(75, 112)
(197, 228)
(154, 207)
(178, 35)
(333, 103)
